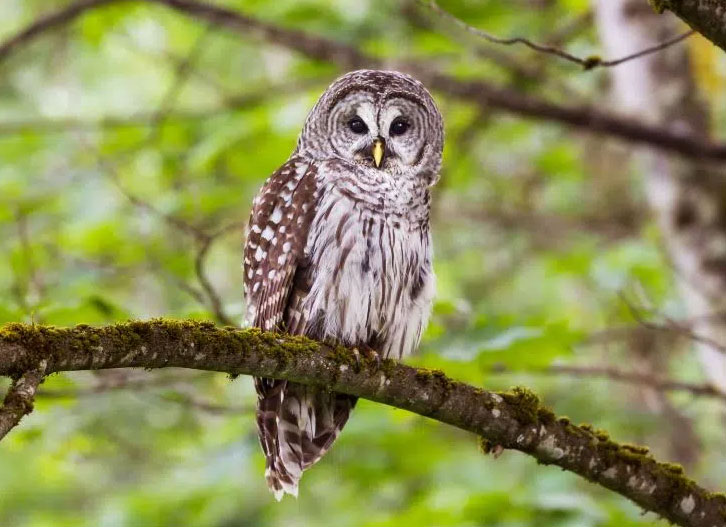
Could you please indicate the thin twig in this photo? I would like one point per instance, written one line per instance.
(183, 70)
(671, 326)
(655, 382)
(107, 384)
(203, 238)
(175, 222)
(640, 379)
(215, 300)
(588, 63)
(193, 401)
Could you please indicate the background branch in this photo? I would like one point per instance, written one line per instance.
(486, 95)
(587, 63)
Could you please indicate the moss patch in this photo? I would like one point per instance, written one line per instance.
(660, 5)
(524, 404)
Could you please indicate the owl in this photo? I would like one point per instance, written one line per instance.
(339, 249)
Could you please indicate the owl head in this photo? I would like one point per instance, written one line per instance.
(379, 121)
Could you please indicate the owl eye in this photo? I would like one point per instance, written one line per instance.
(398, 127)
(357, 126)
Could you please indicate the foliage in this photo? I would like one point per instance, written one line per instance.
(133, 137)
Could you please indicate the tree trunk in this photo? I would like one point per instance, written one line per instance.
(688, 197)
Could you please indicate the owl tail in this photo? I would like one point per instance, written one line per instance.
(297, 425)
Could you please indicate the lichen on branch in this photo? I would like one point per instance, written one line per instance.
(513, 420)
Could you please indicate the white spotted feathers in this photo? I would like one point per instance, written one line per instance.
(339, 249)
(276, 237)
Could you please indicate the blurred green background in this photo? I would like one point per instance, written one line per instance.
(132, 142)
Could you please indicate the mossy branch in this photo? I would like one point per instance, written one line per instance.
(513, 420)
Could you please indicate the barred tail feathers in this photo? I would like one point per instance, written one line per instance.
(297, 425)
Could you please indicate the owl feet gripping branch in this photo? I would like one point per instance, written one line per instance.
(339, 249)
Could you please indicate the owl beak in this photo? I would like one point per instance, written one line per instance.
(379, 147)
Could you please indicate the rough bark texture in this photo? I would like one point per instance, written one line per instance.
(514, 419)
(705, 16)
(18, 402)
(487, 96)
(687, 196)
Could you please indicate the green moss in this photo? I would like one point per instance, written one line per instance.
(673, 468)
(57, 343)
(660, 5)
(434, 378)
(636, 449)
(591, 62)
(484, 445)
(525, 405)
(341, 356)
(426, 375)
(546, 416)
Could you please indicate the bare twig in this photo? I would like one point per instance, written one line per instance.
(174, 222)
(486, 95)
(182, 72)
(655, 382)
(18, 400)
(671, 326)
(640, 379)
(215, 300)
(203, 238)
(588, 63)
(193, 401)
(109, 384)
(180, 383)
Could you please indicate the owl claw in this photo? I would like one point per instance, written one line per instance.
(371, 355)
(496, 451)
(356, 356)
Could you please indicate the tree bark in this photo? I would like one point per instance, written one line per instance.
(514, 419)
(686, 196)
(705, 16)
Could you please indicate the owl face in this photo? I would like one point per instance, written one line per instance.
(380, 121)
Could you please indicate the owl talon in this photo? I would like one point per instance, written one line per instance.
(496, 451)
(356, 356)
(373, 355)
(377, 358)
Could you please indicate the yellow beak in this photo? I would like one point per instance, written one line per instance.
(378, 149)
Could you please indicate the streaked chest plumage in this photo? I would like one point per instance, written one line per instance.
(371, 280)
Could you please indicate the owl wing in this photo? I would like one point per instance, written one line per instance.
(273, 254)
(276, 238)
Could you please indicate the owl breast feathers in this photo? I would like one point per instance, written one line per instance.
(339, 249)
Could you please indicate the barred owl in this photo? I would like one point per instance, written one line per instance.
(339, 249)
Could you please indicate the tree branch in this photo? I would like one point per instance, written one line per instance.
(486, 95)
(708, 17)
(18, 400)
(513, 420)
(655, 382)
(587, 63)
